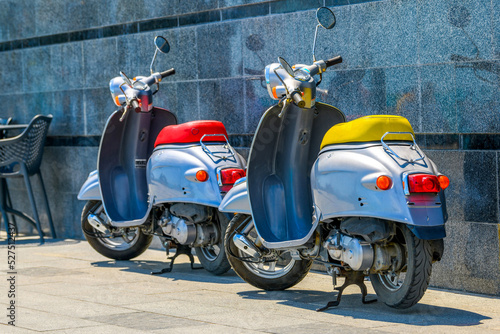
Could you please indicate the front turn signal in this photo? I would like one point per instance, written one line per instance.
(384, 182)
(444, 181)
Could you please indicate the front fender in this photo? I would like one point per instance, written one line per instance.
(236, 200)
(90, 189)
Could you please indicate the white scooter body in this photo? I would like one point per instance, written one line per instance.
(170, 173)
(343, 184)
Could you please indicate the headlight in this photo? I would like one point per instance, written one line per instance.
(116, 93)
(272, 80)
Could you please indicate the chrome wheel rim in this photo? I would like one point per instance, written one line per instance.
(211, 252)
(128, 239)
(120, 240)
(271, 269)
(393, 281)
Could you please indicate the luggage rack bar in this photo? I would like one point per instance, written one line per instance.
(413, 147)
(230, 154)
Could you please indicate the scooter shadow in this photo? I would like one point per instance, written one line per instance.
(181, 271)
(351, 306)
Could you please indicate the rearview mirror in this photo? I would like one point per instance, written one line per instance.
(327, 20)
(286, 66)
(126, 79)
(162, 44)
(325, 17)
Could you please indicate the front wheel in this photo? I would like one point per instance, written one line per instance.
(277, 273)
(213, 257)
(122, 244)
(405, 287)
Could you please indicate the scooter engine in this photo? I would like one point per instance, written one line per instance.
(360, 255)
(195, 233)
(356, 253)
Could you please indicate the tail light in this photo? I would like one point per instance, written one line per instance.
(423, 183)
(227, 177)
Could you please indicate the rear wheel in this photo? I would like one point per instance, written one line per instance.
(122, 244)
(405, 287)
(279, 272)
(213, 257)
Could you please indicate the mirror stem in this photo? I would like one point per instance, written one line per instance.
(314, 42)
(152, 62)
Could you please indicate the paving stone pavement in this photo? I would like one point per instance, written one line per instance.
(64, 286)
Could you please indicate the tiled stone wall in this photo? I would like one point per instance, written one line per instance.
(436, 62)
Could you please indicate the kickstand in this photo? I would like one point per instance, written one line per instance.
(181, 249)
(351, 277)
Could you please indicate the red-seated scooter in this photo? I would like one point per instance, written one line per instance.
(154, 177)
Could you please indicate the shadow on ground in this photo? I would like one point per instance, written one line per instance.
(181, 271)
(351, 306)
(34, 241)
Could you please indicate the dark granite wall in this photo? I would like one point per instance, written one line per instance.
(436, 62)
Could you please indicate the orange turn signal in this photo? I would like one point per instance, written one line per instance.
(444, 181)
(201, 175)
(274, 92)
(384, 182)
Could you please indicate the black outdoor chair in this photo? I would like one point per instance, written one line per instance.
(3, 185)
(5, 121)
(21, 156)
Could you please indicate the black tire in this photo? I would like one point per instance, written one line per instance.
(407, 292)
(293, 271)
(104, 246)
(213, 258)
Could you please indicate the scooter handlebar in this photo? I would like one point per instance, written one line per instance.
(167, 73)
(333, 61)
(297, 98)
(135, 105)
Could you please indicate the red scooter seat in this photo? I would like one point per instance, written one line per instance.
(191, 132)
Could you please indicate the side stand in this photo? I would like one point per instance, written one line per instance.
(351, 277)
(181, 249)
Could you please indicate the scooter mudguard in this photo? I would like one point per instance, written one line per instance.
(344, 177)
(123, 154)
(90, 189)
(282, 154)
(236, 200)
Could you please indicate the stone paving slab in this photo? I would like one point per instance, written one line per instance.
(66, 287)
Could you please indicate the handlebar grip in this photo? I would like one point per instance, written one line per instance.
(297, 98)
(333, 61)
(167, 73)
(136, 106)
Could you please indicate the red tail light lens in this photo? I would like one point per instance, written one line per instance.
(227, 177)
(423, 183)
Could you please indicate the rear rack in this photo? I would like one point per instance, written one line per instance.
(228, 155)
(413, 147)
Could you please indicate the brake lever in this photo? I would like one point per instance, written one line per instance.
(286, 104)
(127, 107)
